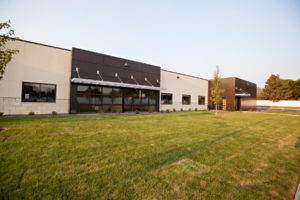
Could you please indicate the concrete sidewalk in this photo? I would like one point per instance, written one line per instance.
(297, 195)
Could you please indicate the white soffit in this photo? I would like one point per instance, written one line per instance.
(114, 84)
(243, 95)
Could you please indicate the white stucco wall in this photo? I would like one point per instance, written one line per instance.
(185, 85)
(35, 63)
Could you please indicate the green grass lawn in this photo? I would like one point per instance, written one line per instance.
(184, 155)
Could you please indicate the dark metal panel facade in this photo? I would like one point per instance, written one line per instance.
(89, 62)
(247, 103)
(229, 85)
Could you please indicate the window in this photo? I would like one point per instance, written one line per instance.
(201, 100)
(38, 92)
(166, 98)
(186, 99)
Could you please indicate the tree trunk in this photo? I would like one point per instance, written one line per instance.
(216, 109)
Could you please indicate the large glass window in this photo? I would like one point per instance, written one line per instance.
(145, 97)
(136, 97)
(38, 92)
(152, 98)
(201, 100)
(166, 98)
(107, 99)
(186, 99)
(117, 96)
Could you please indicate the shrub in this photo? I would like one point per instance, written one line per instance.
(150, 110)
(181, 109)
(101, 110)
(167, 110)
(137, 111)
(73, 111)
(54, 113)
(31, 113)
(190, 109)
(1, 114)
(174, 110)
(196, 109)
(162, 111)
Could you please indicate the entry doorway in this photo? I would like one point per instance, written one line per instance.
(224, 103)
(237, 103)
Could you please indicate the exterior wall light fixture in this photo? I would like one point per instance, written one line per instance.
(126, 64)
(117, 76)
(77, 70)
(134, 79)
(148, 81)
(98, 72)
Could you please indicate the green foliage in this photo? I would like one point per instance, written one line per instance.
(31, 113)
(181, 109)
(6, 53)
(295, 88)
(137, 111)
(167, 110)
(216, 90)
(54, 113)
(174, 110)
(1, 114)
(196, 109)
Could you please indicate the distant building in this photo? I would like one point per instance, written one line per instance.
(238, 94)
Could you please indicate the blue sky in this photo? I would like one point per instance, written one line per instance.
(247, 39)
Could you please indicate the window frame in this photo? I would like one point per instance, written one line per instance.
(23, 100)
(199, 100)
(167, 100)
(186, 95)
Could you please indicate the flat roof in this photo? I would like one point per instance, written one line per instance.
(43, 44)
(235, 78)
(116, 57)
(108, 55)
(184, 74)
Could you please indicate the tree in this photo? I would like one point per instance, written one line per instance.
(277, 89)
(6, 53)
(295, 88)
(216, 91)
(286, 90)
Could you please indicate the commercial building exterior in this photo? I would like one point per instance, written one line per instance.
(43, 79)
(238, 94)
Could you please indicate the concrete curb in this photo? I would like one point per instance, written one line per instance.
(297, 195)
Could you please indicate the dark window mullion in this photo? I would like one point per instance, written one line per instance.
(39, 93)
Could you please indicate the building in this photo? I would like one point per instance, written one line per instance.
(238, 94)
(43, 79)
(183, 92)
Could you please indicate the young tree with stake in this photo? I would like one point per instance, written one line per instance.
(216, 91)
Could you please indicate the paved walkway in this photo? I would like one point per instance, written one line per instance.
(273, 113)
(297, 196)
